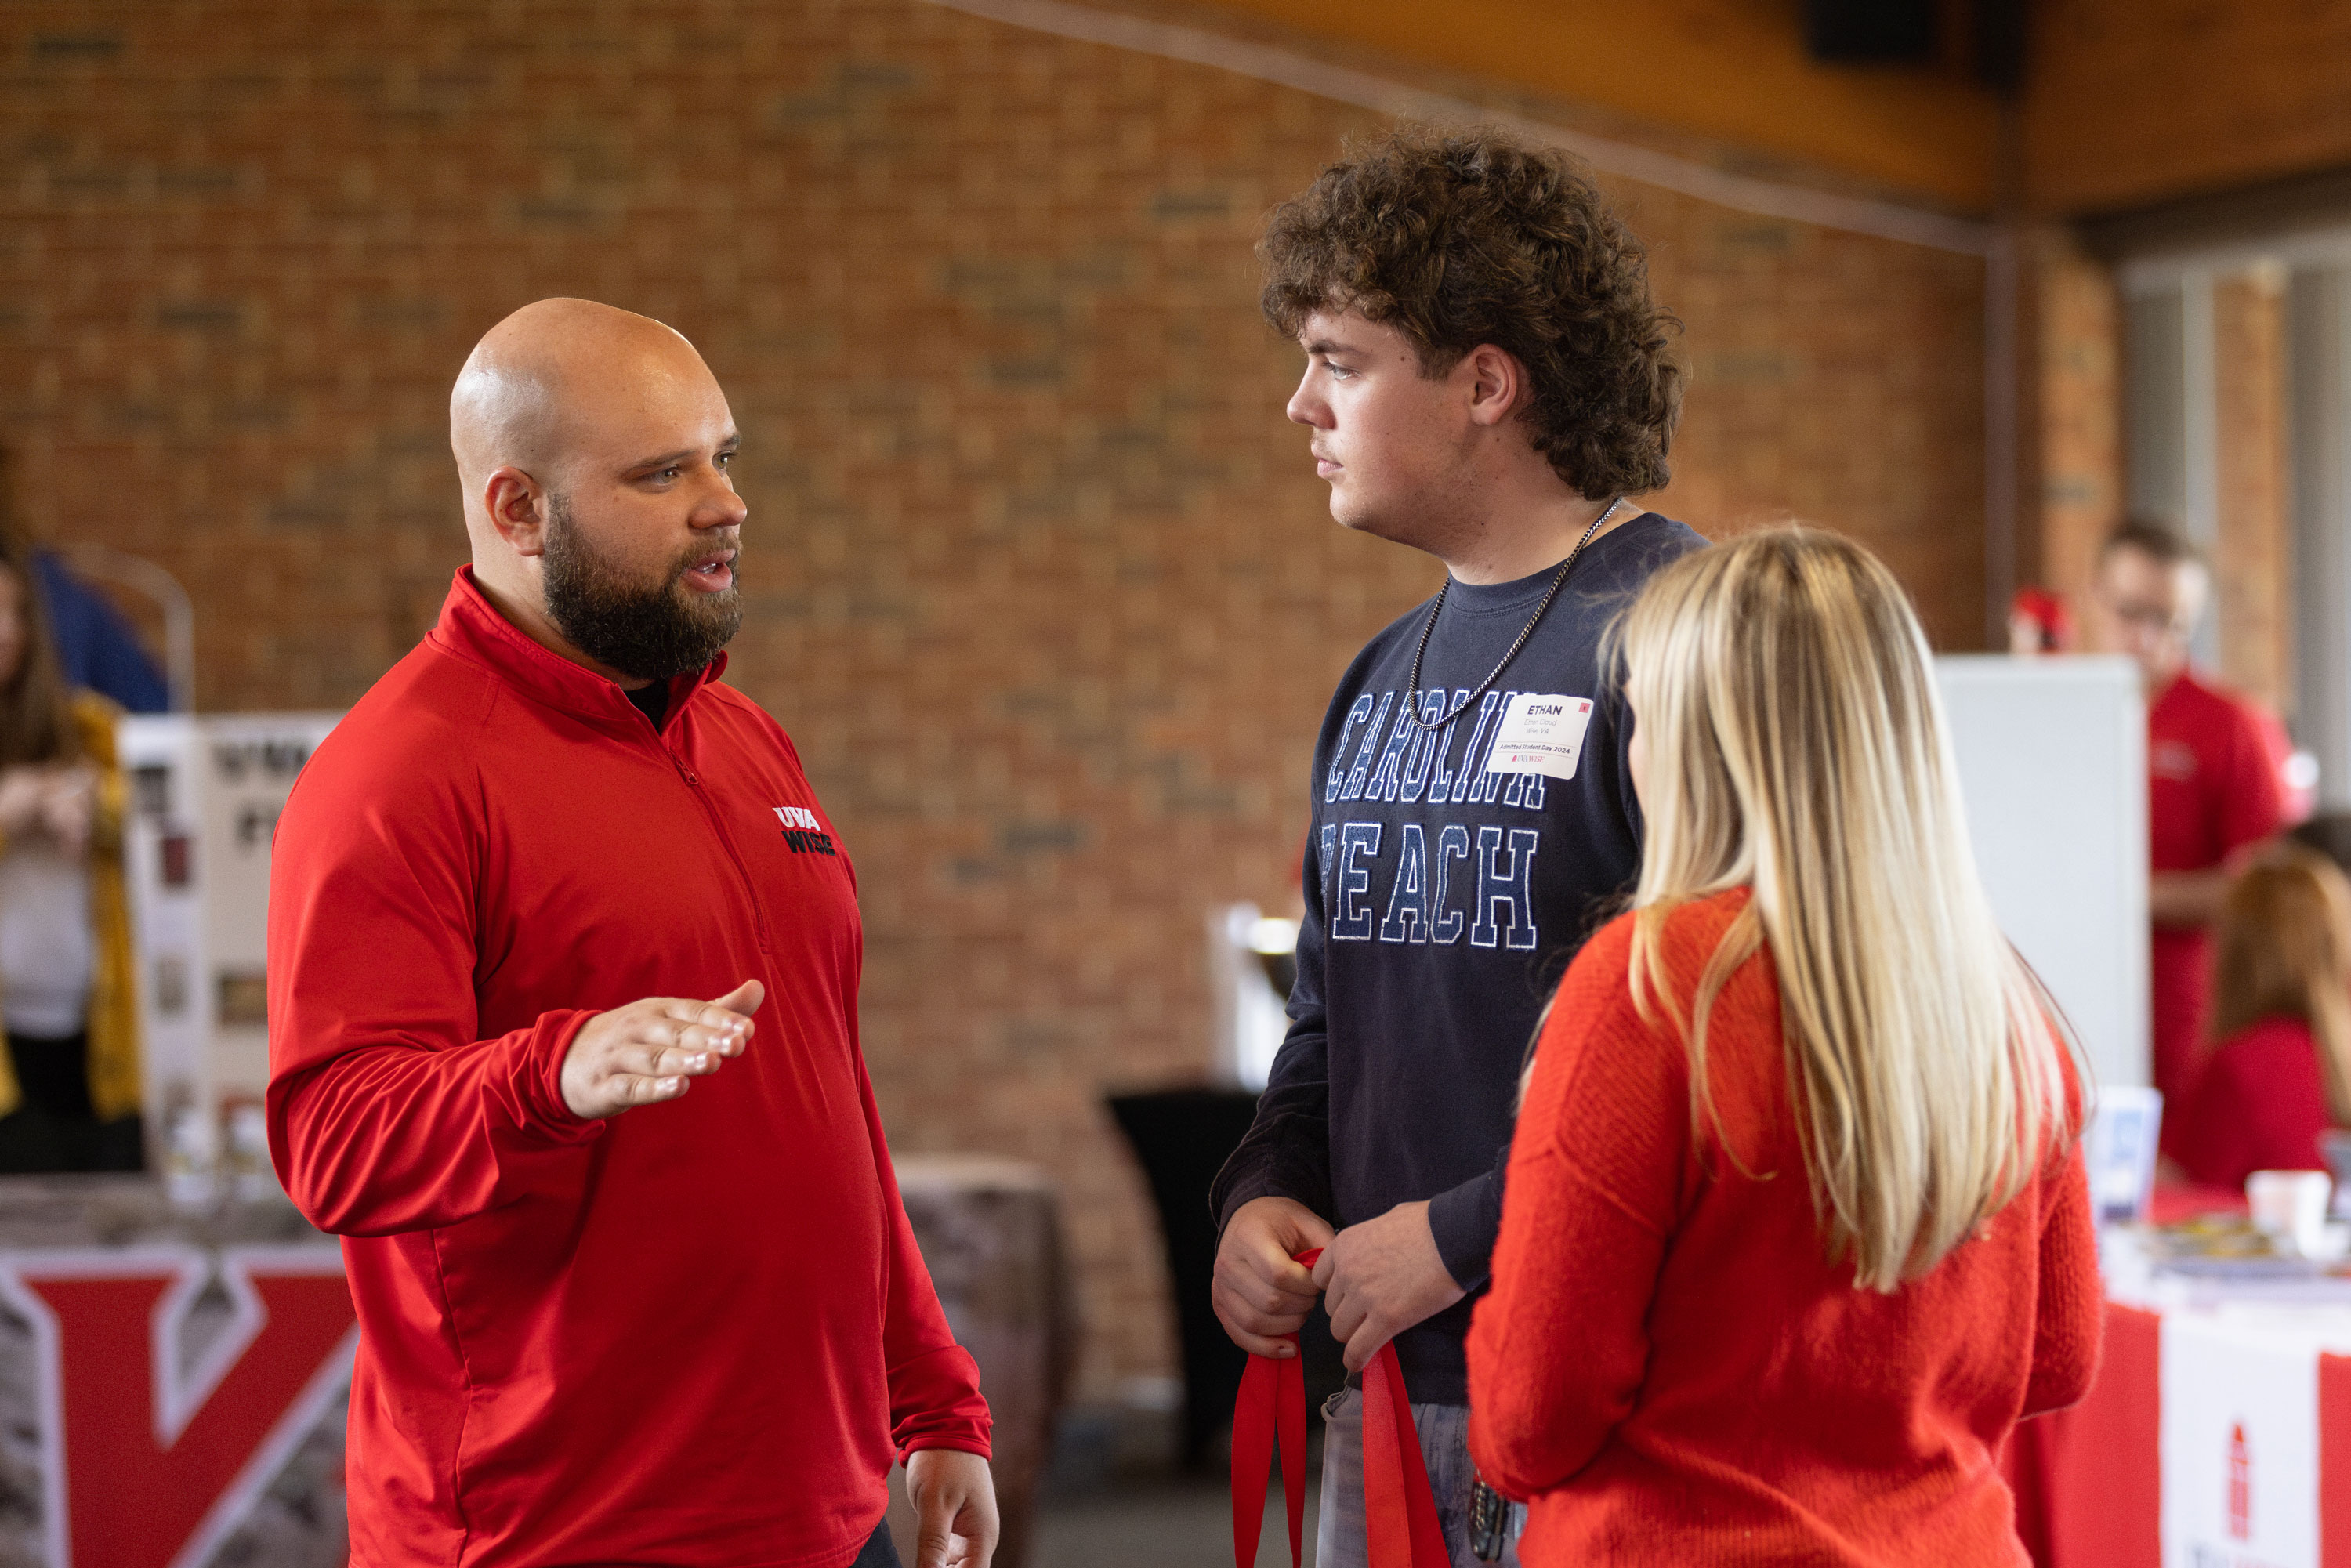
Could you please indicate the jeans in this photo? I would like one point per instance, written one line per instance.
(1444, 1444)
(880, 1552)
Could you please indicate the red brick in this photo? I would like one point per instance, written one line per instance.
(1038, 574)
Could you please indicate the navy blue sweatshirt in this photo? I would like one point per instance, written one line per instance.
(1443, 901)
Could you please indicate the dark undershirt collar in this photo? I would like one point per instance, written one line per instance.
(653, 701)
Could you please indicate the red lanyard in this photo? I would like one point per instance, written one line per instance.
(1399, 1510)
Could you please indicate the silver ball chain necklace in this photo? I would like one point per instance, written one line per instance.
(1516, 643)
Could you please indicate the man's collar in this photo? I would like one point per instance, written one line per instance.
(471, 629)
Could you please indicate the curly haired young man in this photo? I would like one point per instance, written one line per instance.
(1487, 378)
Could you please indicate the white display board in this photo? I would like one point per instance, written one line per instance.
(2053, 761)
(206, 793)
(1250, 1001)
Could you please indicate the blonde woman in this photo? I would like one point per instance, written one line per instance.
(1795, 1227)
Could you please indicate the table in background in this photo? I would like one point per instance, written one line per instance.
(234, 1445)
(990, 1232)
(231, 1450)
(2218, 1435)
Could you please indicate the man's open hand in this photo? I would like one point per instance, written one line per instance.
(954, 1508)
(1382, 1277)
(646, 1053)
(1260, 1294)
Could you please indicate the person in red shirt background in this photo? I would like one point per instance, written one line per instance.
(2280, 1073)
(2039, 623)
(2217, 784)
(602, 1320)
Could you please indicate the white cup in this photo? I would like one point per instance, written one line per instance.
(2290, 1208)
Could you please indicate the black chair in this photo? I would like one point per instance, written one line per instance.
(1183, 1137)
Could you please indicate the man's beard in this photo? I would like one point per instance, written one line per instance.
(647, 633)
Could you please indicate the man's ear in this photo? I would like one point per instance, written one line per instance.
(518, 505)
(1497, 383)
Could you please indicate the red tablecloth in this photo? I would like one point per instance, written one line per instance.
(2089, 1482)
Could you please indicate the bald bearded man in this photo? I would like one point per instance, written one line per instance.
(563, 965)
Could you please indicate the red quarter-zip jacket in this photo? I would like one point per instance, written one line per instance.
(688, 1335)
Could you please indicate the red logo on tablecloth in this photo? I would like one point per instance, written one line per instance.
(148, 1461)
(2241, 1486)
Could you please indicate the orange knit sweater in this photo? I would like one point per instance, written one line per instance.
(1669, 1367)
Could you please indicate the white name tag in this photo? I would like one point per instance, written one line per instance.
(1540, 734)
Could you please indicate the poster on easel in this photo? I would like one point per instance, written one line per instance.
(204, 795)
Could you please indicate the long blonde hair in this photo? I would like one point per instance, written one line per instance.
(1795, 743)
(2284, 949)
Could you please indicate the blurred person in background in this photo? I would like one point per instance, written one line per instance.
(69, 1089)
(2279, 1074)
(1797, 1226)
(95, 648)
(1487, 378)
(2218, 778)
(2039, 623)
(2328, 833)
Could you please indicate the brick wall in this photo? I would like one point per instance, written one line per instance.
(2073, 441)
(2252, 552)
(2073, 449)
(1037, 575)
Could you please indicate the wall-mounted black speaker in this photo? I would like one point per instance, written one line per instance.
(1884, 31)
(2000, 45)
